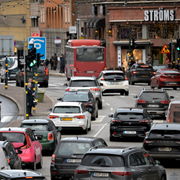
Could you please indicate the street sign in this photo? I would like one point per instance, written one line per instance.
(35, 35)
(72, 29)
(14, 43)
(39, 44)
(6, 45)
(165, 50)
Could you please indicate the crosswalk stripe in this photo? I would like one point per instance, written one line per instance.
(99, 119)
(6, 118)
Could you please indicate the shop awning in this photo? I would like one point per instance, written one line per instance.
(99, 22)
(138, 42)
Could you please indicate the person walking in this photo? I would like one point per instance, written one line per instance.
(149, 59)
(51, 62)
(29, 99)
(54, 62)
(62, 63)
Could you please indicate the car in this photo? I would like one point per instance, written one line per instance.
(162, 141)
(69, 153)
(113, 81)
(70, 115)
(86, 97)
(160, 66)
(156, 102)
(119, 163)
(166, 78)
(24, 139)
(21, 175)
(86, 84)
(14, 160)
(129, 123)
(46, 129)
(4, 164)
(140, 73)
(43, 76)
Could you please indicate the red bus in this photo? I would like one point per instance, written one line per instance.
(84, 57)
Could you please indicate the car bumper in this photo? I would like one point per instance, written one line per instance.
(141, 79)
(156, 112)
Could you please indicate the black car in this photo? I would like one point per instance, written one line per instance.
(156, 102)
(69, 153)
(114, 163)
(163, 141)
(140, 73)
(20, 175)
(14, 160)
(86, 97)
(129, 122)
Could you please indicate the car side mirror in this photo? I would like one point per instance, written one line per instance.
(110, 115)
(101, 84)
(65, 84)
(171, 97)
(135, 96)
(50, 109)
(59, 99)
(157, 162)
(59, 128)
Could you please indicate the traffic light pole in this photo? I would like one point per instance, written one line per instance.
(6, 75)
(36, 81)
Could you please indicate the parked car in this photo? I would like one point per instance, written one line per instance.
(46, 130)
(3, 160)
(43, 76)
(24, 139)
(14, 160)
(20, 175)
(119, 163)
(156, 102)
(113, 81)
(162, 141)
(169, 78)
(71, 115)
(86, 97)
(86, 84)
(140, 73)
(129, 123)
(69, 153)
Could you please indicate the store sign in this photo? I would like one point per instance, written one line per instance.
(72, 29)
(159, 15)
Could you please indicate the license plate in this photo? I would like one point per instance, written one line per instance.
(114, 83)
(144, 75)
(172, 83)
(90, 71)
(153, 105)
(129, 132)
(65, 119)
(73, 160)
(100, 174)
(165, 149)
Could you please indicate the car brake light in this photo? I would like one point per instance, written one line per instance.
(148, 142)
(168, 120)
(81, 171)
(141, 101)
(29, 177)
(105, 68)
(79, 117)
(53, 158)
(22, 73)
(143, 121)
(53, 117)
(122, 173)
(102, 79)
(50, 137)
(134, 72)
(68, 89)
(46, 71)
(126, 78)
(95, 89)
(88, 104)
(154, 72)
(8, 160)
(115, 120)
(165, 102)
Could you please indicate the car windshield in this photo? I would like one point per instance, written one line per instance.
(129, 115)
(114, 76)
(162, 134)
(153, 96)
(83, 83)
(66, 109)
(68, 148)
(36, 127)
(13, 137)
(75, 97)
(11, 62)
(171, 73)
(102, 160)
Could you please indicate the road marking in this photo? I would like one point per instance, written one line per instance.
(6, 118)
(99, 119)
(111, 109)
(158, 121)
(108, 104)
(103, 100)
(100, 130)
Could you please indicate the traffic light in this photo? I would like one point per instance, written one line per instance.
(68, 35)
(178, 45)
(31, 58)
(39, 58)
(134, 45)
(20, 53)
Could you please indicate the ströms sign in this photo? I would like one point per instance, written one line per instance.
(159, 15)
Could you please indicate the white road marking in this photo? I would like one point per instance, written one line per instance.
(103, 100)
(6, 118)
(111, 109)
(99, 119)
(108, 104)
(100, 130)
(158, 121)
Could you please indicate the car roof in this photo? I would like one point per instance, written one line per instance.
(79, 139)
(82, 78)
(129, 109)
(20, 173)
(59, 103)
(77, 92)
(13, 129)
(113, 71)
(165, 126)
(34, 121)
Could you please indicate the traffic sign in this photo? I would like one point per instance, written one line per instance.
(35, 35)
(39, 44)
(14, 43)
(165, 50)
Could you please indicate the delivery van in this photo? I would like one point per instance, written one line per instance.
(173, 113)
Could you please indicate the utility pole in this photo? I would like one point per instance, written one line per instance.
(6, 75)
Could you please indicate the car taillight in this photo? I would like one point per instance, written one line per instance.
(79, 117)
(50, 137)
(165, 102)
(141, 101)
(168, 120)
(28, 177)
(102, 79)
(88, 104)
(95, 89)
(134, 72)
(115, 120)
(8, 160)
(143, 121)
(53, 117)
(122, 173)
(77, 171)
(154, 72)
(75, 69)
(68, 89)
(105, 68)
(148, 142)
(126, 78)
(53, 158)
(22, 73)
(46, 70)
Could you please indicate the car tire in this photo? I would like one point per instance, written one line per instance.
(126, 93)
(34, 164)
(100, 106)
(53, 178)
(21, 84)
(2, 80)
(46, 84)
(158, 85)
(131, 82)
(86, 130)
(40, 164)
(175, 88)
(93, 117)
(111, 138)
(97, 114)
(17, 84)
(149, 83)
(163, 178)
(89, 129)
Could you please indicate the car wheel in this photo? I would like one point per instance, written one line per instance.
(126, 93)
(93, 117)
(40, 164)
(34, 164)
(97, 114)
(148, 83)
(163, 178)
(175, 88)
(2, 80)
(111, 138)
(121, 93)
(86, 130)
(17, 83)
(100, 106)
(131, 82)
(46, 84)
(89, 129)
(21, 84)
(158, 85)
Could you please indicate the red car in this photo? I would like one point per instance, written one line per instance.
(169, 78)
(23, 139)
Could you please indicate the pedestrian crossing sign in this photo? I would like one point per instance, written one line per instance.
(165, 50)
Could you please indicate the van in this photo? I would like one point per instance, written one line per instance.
(3, 160)
(173, 113)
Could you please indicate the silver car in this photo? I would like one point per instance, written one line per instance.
(86, 84)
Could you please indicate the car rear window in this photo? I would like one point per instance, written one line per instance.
(144, 67)
(70, 148)
(83, 83)
(164, 134)
(159, 67)
(153, 96)
(176, 116)
(101, 160)
(66, 109)
(170, 72)
(36, 127)
(114, 76)
(129, 115)
(75, 97)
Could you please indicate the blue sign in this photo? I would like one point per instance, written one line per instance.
(39, 44)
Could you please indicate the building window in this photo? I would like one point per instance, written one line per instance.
(41, 11)
(34, 22)
(43, 14)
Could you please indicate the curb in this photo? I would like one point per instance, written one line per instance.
(53, 74)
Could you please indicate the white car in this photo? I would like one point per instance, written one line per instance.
(113, 81)
(71, 115)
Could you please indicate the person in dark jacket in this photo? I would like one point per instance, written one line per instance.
(29, 99)
(54, 62)
(176, 65)
(62, 63)
(51, 62)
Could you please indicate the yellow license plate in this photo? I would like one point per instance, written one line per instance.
(66, 119)
(144, 75)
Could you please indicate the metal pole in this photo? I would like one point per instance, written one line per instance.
(6, 75)
(171, 51)
(36, 80)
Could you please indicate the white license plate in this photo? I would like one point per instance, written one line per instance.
(153, 105)
(165, 149)
(114, 83)
(90, 71)
(129, 132)
(73, 160)
(172, 83)
(100, 174)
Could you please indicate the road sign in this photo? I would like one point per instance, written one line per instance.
(35, 35)
(72, 29)
(6, 45)
(165, 50)
(14, 43)
(39, 44)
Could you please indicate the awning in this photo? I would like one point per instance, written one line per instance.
(138, 42)
(99, 22)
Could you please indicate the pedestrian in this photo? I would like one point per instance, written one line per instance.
(176, 65)
(30, 81)
(149, 59)
(54, 62)
(47, 62)
(29, 99)
(62, 63)
(51, 62)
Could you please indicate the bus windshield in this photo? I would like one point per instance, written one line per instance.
(11, 62)
(90, 54)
